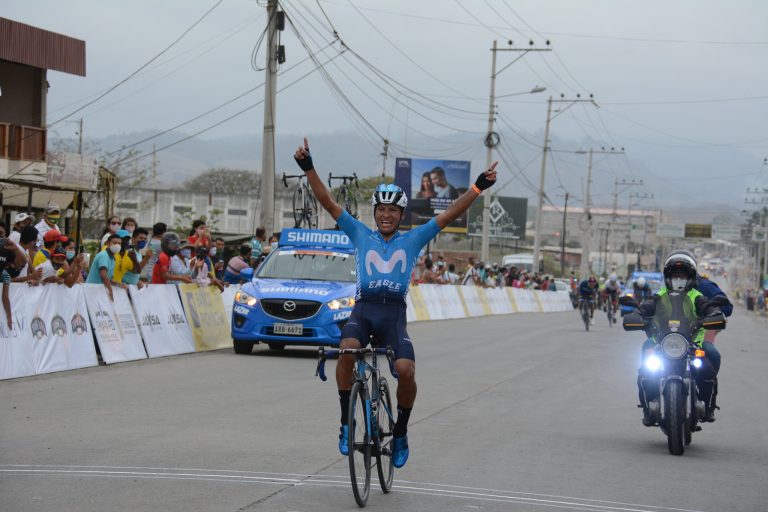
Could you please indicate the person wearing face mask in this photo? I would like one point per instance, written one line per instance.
(51, 239)
(103, 266)
(154, 246)
(113, 226)
(57, 271)
(138, 257)
(217, 257)
(129, 224)
(681, 277)
(162, 272)
(50, 220)
(20, 221)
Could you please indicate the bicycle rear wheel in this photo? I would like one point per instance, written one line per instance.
(386, 422)
(359, 445)
(298, 206)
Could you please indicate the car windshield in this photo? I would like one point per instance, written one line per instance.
(312, 265)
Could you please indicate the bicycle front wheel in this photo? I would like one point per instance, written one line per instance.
(386, 423)
(359, 444)
(298, 207)
(311, 210)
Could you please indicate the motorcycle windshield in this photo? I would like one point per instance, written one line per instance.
(674, 313)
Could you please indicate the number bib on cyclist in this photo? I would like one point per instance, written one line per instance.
(384, 266)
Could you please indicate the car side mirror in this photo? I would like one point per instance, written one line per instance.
(713, 322)
(627, 301)
(246, 274)
(633, 322)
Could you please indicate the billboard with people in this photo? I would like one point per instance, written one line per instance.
(431, 187)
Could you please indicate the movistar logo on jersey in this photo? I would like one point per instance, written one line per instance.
(314, 238)
(374, 259)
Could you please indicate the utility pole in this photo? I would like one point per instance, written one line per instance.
(492, 139)
(762, 200)
(384, 154)
(80, 137)
(585, 267)
(545, 150)
(267, 219)
(626, 183)
(562, 242)
(154, 163)
(629, 222)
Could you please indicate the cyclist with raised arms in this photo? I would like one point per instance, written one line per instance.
(384, 259)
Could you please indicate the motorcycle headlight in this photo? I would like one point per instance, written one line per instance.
(653, 362)
(243, 298)
(674, 346)
(346, 302)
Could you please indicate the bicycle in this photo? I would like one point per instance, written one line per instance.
(584, 311)
(345, 196)
(304, 203)
(611, 310)
(370, 420)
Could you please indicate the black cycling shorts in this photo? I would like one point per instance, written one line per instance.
(387, 324)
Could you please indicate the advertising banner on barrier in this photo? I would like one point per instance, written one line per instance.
(50, 331)
(62, 337)
(450, 302)
(114, 325)
(161, 319)
(526, 302)
(206, 317)
(498, 301)
(471, 295)
(228, 299)
(16, 356)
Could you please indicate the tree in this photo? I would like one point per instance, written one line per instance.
(225, 181)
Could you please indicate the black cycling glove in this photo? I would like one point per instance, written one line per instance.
(306, 162)
(482, 182)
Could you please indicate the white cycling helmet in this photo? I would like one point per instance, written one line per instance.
(641, 282)
(613, 278)
(389, 194)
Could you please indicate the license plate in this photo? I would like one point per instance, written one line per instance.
(289, 329)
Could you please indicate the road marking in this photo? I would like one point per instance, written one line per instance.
(339, 481)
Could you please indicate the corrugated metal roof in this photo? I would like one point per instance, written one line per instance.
(25, 44)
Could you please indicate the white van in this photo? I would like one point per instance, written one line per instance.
(521, 261)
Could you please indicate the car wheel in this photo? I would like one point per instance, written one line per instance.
(242, 347)
(276, 346)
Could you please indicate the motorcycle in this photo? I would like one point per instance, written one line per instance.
(677, 409)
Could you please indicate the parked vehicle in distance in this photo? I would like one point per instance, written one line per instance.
(521, 261)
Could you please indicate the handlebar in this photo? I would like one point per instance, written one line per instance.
(344, 179)
(323, 354)
(286, 177)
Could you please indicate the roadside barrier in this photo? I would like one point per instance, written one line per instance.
(54, 327)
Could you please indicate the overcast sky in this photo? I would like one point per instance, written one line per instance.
(687, 78)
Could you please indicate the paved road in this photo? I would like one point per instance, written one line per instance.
(519, 412)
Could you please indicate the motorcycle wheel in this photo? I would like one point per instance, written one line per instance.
(674, 416)
(690, 425)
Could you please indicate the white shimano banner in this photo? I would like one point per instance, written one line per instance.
(114, 325)
(161, 320)
(61, 333)
(450, 301)
(430, 293)
(16, 356)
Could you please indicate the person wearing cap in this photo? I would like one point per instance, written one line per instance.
(20, 273)
(56, 270)
(139, 255)
(20, 221)
(50, 221)
(103, 266)
(50, 240)
(125, 259)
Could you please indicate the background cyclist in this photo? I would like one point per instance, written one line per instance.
(588, 293)
(612, 290)
(384, 261)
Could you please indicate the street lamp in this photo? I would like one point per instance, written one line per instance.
(535, 90)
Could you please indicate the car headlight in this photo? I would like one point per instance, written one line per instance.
(674, 345)
(346, 302)
(244, 298)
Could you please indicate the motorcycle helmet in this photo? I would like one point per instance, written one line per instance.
(680, 271)
(641, 282)
(170, 243)
(389, 194)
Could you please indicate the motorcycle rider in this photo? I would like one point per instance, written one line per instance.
(587, 292)
(680, 276)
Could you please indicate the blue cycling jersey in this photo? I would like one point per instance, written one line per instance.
(585, 290)
(384, 267)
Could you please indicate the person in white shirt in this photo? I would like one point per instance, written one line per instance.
(50, 220)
